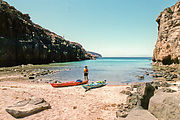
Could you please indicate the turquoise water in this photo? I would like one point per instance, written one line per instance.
(114, 70)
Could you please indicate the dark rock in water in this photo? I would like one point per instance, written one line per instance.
(140, 77)
(27, 107)
(146, 73)
(24, 42)
(157, 75)
(165, 106)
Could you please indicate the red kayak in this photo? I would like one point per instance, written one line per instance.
(70, 83)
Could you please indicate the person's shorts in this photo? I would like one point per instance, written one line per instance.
(85, 74)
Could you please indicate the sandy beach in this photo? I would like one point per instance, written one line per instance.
(68, 103)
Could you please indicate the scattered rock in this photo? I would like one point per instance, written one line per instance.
(129, 88)
(168, 90)
(27, 107)
(4, 88)
(157, 75)
(126, 92)
(169, 79)
(31, 77)
(146, 73)
(74, 107)
(133, 100)
(140, 77)
(165, 84)
(121, 114)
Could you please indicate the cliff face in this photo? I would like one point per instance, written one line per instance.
(95, 55)
(167, 49)
(23, 42)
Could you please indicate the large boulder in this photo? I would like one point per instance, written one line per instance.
(167, 49)
(165, 105)
(139, 114)
(27, 107)
(144, 92)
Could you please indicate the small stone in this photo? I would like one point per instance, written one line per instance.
(140, 77)
(174, 76)
(169, 79)
(74, 107)
(129, 88)
(31, 77)
(165, 84)
(121, 114)
(4, 89)
(126, 92)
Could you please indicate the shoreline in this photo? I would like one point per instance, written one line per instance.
(67, 103)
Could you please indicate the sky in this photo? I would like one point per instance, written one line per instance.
(113, 28)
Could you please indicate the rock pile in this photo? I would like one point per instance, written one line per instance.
(167, 73)
(143, 96)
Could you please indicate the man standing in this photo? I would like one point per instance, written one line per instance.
(85, 73)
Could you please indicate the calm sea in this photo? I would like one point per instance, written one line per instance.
(116, 70)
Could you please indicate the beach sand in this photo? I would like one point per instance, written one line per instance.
(67, 103)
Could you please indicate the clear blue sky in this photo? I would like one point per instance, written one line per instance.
(109, 27)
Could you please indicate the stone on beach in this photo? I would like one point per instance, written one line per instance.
(165, 105)
(139, 114)
(27, 107)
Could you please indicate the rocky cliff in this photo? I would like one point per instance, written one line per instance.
(24, 42)
(95, 55)
(167, 49)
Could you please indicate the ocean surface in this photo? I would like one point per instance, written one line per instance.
(116, 70)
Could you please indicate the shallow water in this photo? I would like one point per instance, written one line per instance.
(115, 70)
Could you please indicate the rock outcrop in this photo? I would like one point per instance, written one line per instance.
(95, 55)
(165, 105)
(167, 49)
(27, 107)
(24, 42)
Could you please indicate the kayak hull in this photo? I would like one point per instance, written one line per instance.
(93, 85)
(66, 84)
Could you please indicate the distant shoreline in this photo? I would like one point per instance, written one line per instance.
(124, 57)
